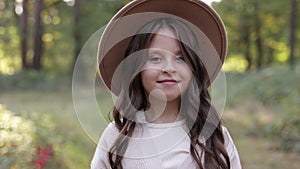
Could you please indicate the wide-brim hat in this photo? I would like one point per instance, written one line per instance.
(200, 17)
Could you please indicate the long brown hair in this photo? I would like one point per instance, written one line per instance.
(196, 115)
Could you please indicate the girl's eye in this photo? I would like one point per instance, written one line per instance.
(155, 58)
(180, 59)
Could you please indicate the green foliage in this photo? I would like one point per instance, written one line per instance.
(34, 80)
(58, 41)
(24, 136)
(271, 85)
(242, 17)
(35, 97)
(288, 130)
(17, 136)
(277, 89)
(10, 60)
(59, 47)
(50, 114)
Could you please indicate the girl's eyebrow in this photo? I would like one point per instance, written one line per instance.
(157, 50)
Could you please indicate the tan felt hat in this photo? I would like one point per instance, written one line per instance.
(203, 20)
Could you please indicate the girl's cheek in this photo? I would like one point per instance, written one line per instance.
(150, 73)
(152, 67)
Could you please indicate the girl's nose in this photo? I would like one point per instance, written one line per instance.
(169, 67)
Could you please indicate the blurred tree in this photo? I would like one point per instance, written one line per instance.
(257, 30)
(38, 33)
(9, 47)
(258, 36)
(36, 46)
(88, 17)
(23, 23)
(245, 40)
(293, 5)
(260, 32)
(77, 12)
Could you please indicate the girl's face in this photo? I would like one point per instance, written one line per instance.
(165, 68)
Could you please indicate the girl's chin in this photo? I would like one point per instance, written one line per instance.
(164, 95)
(168, 98)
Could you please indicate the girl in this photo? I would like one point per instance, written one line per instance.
(163, 117)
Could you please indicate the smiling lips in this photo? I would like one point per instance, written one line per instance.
(168, 82)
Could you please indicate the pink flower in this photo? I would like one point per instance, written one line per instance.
(43, 154)
(40, 163)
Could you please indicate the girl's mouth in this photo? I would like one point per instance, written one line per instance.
(168, 82)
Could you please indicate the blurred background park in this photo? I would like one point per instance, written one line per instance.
(40, 41)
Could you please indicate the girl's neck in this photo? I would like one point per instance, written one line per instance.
(161, 112)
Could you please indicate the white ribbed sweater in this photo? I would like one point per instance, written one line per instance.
(156, 146)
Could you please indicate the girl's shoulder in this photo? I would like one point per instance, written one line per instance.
(100, 158)
(225, 130)
(227, 137)
(108, 136)
(231, 149)
(229, 143)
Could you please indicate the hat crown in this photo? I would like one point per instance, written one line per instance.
(203, 20)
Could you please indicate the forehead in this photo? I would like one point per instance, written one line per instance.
(165, 39)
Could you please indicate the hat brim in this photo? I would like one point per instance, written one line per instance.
(210, 32)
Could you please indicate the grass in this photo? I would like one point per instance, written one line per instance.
(256, 150)
(77, 134)
(74, 147)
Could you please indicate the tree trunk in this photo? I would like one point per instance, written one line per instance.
(270, 55)
(246, 43)
(23, 22)
(38, 32)
(292, 33)
(76, 33)
(258, 38)
(247, 54)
